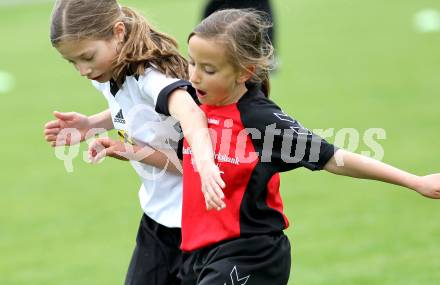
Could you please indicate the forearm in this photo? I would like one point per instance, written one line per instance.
(163, 159)
(101, 120)
(194, 126)
(354, 165)
(195, 130)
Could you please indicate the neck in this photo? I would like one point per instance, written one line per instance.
(235, 95)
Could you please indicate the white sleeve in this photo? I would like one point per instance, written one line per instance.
(154, 81)
(158, 86)
(99, 86)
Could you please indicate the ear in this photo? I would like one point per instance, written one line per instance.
(246, 74)
(119, 31)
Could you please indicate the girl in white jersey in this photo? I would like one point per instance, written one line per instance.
(140, 73)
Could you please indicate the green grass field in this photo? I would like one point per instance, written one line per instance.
(344, 64)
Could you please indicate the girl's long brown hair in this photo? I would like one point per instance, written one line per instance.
(143, 46)
(243, 32)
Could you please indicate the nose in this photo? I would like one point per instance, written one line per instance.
(194, 75)
(83, 69)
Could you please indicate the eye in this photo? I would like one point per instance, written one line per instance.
(89, 58)
(209, 70)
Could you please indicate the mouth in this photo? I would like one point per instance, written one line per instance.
(96, 78)
(200, 93)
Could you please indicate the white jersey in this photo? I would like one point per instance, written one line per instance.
(140, 113)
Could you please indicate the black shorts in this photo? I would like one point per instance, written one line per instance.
(256, 260)
(157, 257)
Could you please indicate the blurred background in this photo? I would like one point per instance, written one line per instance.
(342, 64)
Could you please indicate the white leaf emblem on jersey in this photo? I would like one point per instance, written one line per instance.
(298, 128)
(284, 117)
(235, 279)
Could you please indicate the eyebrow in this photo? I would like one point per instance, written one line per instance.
(81, 55)
(203, 63)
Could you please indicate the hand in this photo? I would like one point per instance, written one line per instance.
(212, 185)
(102, 147)
(63, 121)
(430, 186)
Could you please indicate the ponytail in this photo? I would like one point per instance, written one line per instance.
(146, 47)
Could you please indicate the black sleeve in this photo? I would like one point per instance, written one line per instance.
(284, 143)
(162, 99)
(180, 149)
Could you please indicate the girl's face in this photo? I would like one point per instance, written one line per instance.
(92, 58)
(215, 79)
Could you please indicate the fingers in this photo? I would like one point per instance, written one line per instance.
(52, 124)
(208, 206)
(98, 149)
(56, 140)
(212, 201)
(219, 181)
(212, 185)
(218, 192)
(50, 135)
(51, 131)
(67, 116)
(213, 196)
(50, 138)
(95, 156)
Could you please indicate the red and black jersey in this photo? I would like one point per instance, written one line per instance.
(253, 141)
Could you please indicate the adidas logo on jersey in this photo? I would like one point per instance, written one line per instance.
(119, 118)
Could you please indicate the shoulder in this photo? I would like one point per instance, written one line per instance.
(153, 77)
(258, 111)
(160, 87)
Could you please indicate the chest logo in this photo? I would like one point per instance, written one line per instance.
(119, 118)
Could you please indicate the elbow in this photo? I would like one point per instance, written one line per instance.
(336, 164)
(199, 114)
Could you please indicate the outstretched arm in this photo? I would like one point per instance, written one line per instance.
(105, 146)
(351, 164)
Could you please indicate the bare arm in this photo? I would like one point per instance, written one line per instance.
(163, 159)
(195, 129)
(101, 120)
(194, 125)
(354, 165)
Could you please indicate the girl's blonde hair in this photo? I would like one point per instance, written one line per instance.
(243, 32)
(143, 46)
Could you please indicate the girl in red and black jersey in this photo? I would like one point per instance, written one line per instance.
(254, 140)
